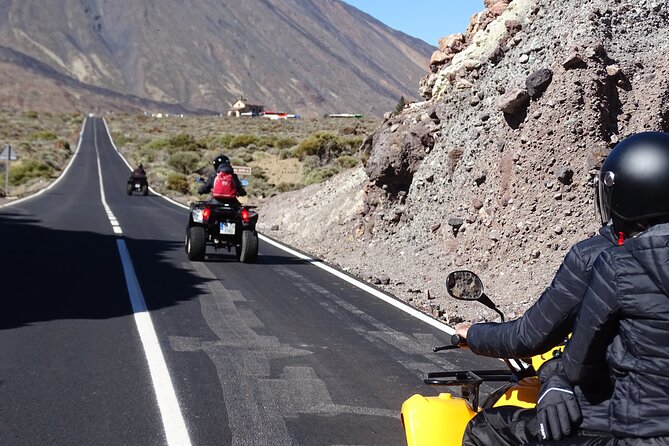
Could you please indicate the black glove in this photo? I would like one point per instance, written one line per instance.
(558, 412)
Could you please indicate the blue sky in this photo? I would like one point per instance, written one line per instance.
(428, 20)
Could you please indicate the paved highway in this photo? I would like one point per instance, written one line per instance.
(109, 335)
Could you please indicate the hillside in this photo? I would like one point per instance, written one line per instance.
(493, 170)
(307, 57)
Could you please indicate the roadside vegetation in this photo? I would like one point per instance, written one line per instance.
(43, 143)
(283, 155)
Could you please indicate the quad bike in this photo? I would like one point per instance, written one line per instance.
(224, 224)
(442, 419)
(138, 184)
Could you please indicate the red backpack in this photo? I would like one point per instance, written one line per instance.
(224, 186)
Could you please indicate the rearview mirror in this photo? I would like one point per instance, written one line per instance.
(464, 285)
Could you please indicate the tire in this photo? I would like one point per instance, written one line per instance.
(196, 245)
(249, 249)
(145, 190)
(129, 189)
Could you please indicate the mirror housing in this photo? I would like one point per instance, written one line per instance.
(464, 285)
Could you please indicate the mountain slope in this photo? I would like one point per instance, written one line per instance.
(299, 56)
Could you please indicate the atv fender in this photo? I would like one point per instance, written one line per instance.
(524, 393)
(435, 420)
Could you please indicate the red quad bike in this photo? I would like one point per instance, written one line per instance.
(138, 184)
(225, 225)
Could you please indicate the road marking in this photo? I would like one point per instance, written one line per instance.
(364, 287)
(168, 404)
(317, 263)
(170, 411)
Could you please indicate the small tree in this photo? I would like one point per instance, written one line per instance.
(400, 105)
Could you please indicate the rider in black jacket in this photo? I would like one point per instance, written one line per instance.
(543, 326)
(622, 330)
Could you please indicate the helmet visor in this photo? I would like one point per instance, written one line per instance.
(603, 191)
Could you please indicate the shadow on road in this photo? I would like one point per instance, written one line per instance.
(52, 274)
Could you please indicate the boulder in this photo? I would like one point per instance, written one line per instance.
(453, 43)
(537, 82)
(439, 58)
(513, 101)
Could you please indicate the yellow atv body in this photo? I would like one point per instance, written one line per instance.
(442, 419)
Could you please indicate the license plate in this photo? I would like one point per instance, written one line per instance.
(227, 228)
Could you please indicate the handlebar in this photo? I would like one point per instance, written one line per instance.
(457, 341)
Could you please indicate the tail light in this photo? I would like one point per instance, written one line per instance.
(245, 215)
(206, 213)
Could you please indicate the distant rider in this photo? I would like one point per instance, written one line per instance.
(139, 172)
(224, 182)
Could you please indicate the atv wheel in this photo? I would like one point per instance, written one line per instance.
(249, 249)
(129, 189)
(196, 245)
(145, 190)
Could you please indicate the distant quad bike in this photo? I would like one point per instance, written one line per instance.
(138, 184)
(225, 225)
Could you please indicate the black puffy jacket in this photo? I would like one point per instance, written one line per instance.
(622, 334)
(548, 322)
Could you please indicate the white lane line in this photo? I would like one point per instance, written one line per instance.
(355, 282)
(174, 424)
(110, 215)
(170, 411)
(60, 177)
(364, 287)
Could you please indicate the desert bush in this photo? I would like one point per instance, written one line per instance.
(246, 157)
(284, 143)
(121, 139)
(318, 174)
(178, 182)
(158, 144)
(183, 142)
(287, 187)
(51, 158)
(184, 162)
(31, 114)
(23, 171)
(325, 146)
(258, 173)
(258, 184)
(224, 140)
(347, 161)
(284, 154)
(306, 147)
(243, 141)
(266, 141)
(43, 135)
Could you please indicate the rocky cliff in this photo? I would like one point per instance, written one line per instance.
(493, 170)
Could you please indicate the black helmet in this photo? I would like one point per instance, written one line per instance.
(220, 159)
(140, 166)
(633, 183)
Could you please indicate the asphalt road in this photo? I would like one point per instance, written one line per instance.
(109, 335)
